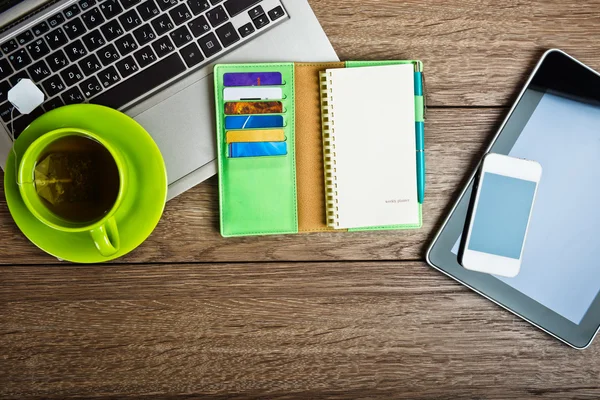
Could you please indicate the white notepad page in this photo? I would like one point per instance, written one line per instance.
(373, 121)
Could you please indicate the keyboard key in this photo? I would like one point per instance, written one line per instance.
(18, 76)
(213, 2)
(209, 45)
(180, 14)
(227, 34)
(75, 50)
(163, 46)
(246, 29)
(148, 10)
(108, 54)
(4, 88)
(199, 26)
(39, 71)
(85, 4)
(127, 66)
(53, 85)
(129, 3)
(276, 13)
(53, 103)
(191, 54)
(25, 37)
(56, 38)
(5, 112)
(71, 11)
(55, 20)
(112, 30)
(217, 16)
(23, 122)
(19, 59)
(126, 44)
(181, 36)
(71, 75)
(145, 56)
(110, 8)
(162, 24)
(198, 6)
(5, 69)
(130, 20)
(9, 46)
(57, 61)
(144, 34)
(38, 49)
(166, 4)
(261, 21)
(93, 18)
(109, 77)
(234, 7)
(74, 28)
(142, 82)
(40, 28)
(256, 12)
(90, 87)
(73, 96)
(90, 65)
(93, 40)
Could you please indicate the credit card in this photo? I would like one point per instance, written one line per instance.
(252, 93)
(249, 135)
(254, 121)
(262, 149)
(258, 107)
(252, 79)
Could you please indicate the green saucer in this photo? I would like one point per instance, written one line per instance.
(142, 205)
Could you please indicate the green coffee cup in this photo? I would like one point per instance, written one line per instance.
(103, 228)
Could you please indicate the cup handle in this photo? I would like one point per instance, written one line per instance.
(106, 238)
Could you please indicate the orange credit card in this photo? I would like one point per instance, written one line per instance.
(256, 107)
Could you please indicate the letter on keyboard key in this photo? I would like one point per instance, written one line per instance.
(90, 87)
(227, 34)
(141, 83)
(234, 7)
(209, 45)
(5, 69)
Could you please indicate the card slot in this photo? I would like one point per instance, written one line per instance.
(255, 93)
(257, 149)
(254, 108)
(254, 78)
(255, 136)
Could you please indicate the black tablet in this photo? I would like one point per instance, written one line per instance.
(556, 122)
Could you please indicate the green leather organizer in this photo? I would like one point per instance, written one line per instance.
(259, 195)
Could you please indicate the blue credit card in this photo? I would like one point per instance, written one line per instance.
(254, 122)
(260, 149)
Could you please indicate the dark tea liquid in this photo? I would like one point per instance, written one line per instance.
(77, 179)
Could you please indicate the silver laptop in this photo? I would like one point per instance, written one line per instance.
(152, 59)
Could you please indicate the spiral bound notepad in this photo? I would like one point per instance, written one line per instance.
(368, 118)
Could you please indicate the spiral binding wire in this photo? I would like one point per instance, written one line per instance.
(329, 151)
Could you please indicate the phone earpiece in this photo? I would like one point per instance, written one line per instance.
(25, 96)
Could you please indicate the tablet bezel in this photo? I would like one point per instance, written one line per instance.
(578, 81)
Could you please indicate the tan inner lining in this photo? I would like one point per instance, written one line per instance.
(309, 147)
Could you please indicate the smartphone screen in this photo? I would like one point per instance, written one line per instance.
(502, 214)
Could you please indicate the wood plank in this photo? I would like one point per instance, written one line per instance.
(310, 330)
(189, 231)
(476, 52)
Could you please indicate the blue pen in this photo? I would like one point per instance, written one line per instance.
(420, 138)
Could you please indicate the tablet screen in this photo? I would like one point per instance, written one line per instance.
(559, 260)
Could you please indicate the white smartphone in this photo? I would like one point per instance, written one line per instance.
(499, 215)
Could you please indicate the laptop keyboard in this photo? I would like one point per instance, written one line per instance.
(114, 51)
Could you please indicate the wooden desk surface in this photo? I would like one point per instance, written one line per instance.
(190, 314)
